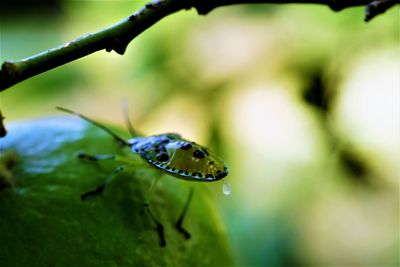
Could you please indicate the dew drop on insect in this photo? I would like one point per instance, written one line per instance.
(226, 188)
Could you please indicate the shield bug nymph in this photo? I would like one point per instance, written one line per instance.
(170, 154)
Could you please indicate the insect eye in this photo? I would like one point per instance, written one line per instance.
(198, 154)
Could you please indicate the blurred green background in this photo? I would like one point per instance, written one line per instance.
(303, 103)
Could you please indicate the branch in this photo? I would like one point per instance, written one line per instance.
(205, 6)
(118, 36)
(378, 7)
(115, 37)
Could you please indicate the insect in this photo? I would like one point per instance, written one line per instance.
(170, 154)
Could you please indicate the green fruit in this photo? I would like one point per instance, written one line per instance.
(43, 222)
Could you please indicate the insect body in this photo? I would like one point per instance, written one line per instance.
(169, 153)
(179, 157)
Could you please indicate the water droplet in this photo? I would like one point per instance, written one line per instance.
(226, 188)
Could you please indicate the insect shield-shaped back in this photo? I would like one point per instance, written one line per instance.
(179, 157)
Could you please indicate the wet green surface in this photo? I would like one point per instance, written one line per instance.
(44, 222)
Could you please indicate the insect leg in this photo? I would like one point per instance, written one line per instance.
(95, 157)
(151, 190)
(160, 227)
(117, 158)
(179, 222)
(101, 187)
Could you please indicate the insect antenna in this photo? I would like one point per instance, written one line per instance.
(116, 137)
(125, 111)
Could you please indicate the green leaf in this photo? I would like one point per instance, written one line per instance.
(43, 222)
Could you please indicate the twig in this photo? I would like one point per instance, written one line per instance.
(118, 36)
(115, 37)
(205, 6)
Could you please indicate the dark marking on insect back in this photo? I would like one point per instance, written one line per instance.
(134, 143)
(186, 146)
(209, 176)
(159, 149)
(198, 154)
(197, 174)
(163, 157)
(220, 174)
(164, 142)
